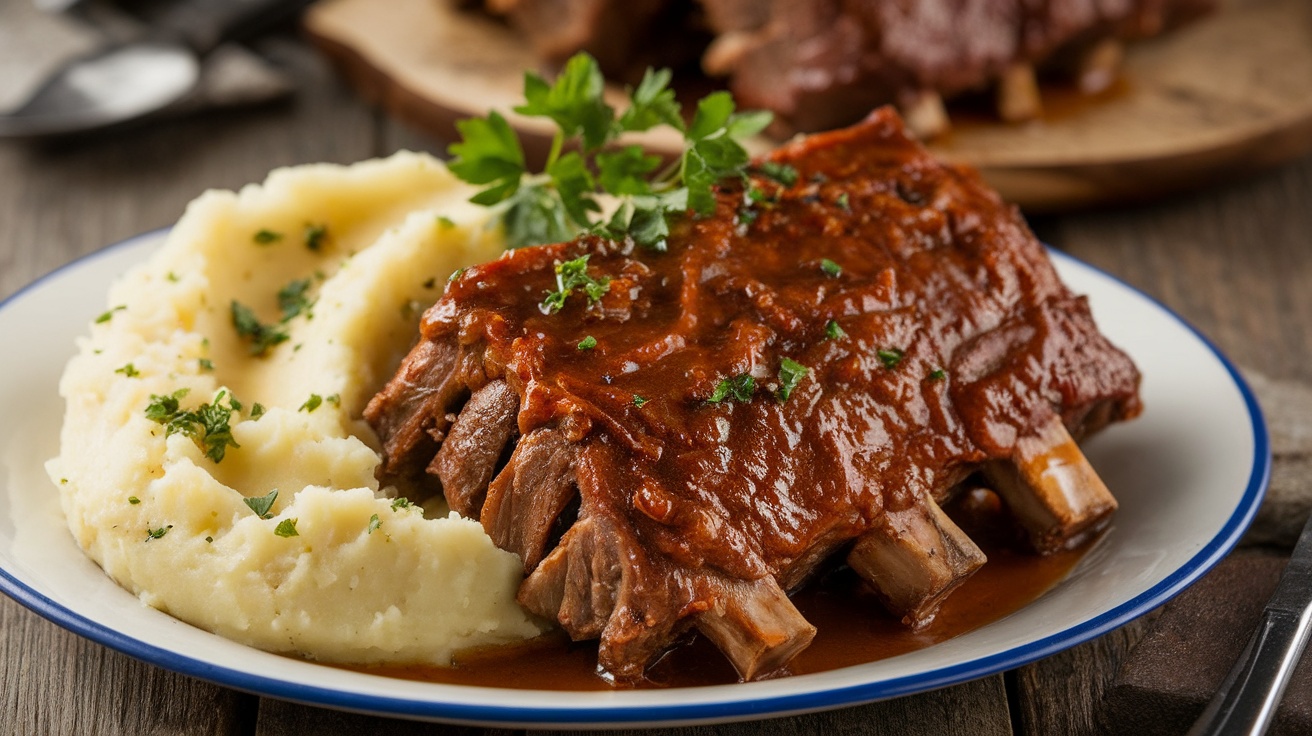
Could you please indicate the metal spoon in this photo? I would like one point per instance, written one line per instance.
(129, 81)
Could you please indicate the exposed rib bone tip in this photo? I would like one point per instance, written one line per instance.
(1098, 67)
(1051, 488)
(915, 559)
(1018, 94)
(756, 626)
(925, 115)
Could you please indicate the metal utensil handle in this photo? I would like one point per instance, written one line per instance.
(204, 24)
(1247, 700)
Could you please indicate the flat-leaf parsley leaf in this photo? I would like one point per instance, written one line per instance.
(738, 388)
(585, 162)
(263, 504)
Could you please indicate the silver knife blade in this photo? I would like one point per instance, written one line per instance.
(1248, 698)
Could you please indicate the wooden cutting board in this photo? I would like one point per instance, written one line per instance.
(1227, 95)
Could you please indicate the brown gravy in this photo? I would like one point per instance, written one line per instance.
(852, 626)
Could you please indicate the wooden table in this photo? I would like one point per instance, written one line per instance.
(1236, 261)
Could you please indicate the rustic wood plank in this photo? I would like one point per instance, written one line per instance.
(54, 682)
(1062, 695)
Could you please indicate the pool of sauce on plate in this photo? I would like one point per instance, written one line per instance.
(852, 627)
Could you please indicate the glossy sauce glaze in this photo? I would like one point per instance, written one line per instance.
(810, 369)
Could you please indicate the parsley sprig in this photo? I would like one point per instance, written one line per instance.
(571, 275)
(208, 425)
(293, 301)
(561, 201)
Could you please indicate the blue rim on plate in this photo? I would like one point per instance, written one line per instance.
(676, 713)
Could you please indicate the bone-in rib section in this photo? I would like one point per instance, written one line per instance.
(914, 558)
(1052, 489)
(756, 626)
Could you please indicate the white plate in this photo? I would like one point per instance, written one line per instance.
(1189, 475)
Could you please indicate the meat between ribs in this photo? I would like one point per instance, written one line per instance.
(938, 343)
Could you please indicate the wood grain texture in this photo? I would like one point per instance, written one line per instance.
(1229, 93)
(56, 683)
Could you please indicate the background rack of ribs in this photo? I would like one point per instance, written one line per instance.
(938, 344)
(821, 64)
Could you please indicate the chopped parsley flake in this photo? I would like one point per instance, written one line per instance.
(257, 410)
(108, 314)
(133, 500)
(791, 373)
(834, 332)
(831, 268)
(446, 222)
(173, 277)
(571, 275)
(588, 343)
(455, 275)
(208, 425)
(890, 357)
(374, 523)
(401, 503)
(334, 399)
(938, 374)
(205, 364)
(261, 336)
(782, 173)
(738, 388)
(292, 300)
(638, 401)
(315, 236)
(128, 370)
(747, 216)
(311, 403)
(264, 236)
(287, 528)
(844, 202)
(263, 505)
(157, 533)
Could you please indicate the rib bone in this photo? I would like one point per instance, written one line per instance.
(1018, 94)
(756, 626)
(914, 560)
(1051, 488)
(1098, 67)
(925, 114)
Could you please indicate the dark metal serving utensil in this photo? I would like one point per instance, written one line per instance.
(1246, 703)
(127, 81)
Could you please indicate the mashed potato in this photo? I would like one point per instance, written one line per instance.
(336, 571)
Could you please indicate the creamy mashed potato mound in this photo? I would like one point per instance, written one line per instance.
(362, 580)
